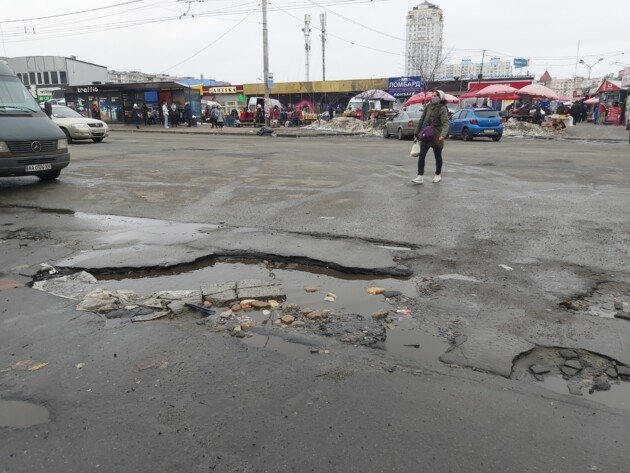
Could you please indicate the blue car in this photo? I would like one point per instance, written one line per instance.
(471, 122)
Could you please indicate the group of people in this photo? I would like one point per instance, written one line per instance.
(170, 115)
(214, 115)
(578, 111)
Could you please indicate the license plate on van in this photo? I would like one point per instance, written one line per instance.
(38, 167)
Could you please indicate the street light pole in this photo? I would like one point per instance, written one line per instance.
(591, 66)
(265, 53)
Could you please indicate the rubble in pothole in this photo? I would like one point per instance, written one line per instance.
(353, 309)
(242, 318)
(577, 372)
(608, 300)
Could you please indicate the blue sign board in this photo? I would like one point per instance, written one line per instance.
(404, 86)
(519, 62)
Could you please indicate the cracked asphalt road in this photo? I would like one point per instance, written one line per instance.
(555, 213)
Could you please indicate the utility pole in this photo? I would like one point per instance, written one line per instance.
(483, 57)
(322, 21)
(307, 45)
(265, 53)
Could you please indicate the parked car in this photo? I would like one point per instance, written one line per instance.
(403, 124)
(30, 143)
(78, 127)
(469, 123)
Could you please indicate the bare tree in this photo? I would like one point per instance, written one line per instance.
(428, 70)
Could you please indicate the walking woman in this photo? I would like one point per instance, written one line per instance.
(431, 131)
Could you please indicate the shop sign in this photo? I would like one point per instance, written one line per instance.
(86, 90)
(520, 62)
(231, 89)
(404, 86)
(613, 115)
(607, 86)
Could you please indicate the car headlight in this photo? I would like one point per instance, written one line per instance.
(80, 126)
(3, 147)
(61, 144)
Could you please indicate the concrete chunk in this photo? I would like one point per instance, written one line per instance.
(539, 369)
(261, 292)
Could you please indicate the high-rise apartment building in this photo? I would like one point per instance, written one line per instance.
(466, 69)
(424, 40)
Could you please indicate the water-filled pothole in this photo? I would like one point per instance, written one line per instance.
(347, 309)
(576, 372)
(22, 414)
(617, 396)
(350, 289)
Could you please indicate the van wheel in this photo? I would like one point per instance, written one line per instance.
(466, 135)
(68, 137)
(49, 176)
(400, 134)
(385, 133)
(97, 140)
(496, 138)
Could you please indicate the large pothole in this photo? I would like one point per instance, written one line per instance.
(320, 303)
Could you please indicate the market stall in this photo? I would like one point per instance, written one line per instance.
(371, 104)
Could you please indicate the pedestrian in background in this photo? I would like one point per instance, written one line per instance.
(136, 115)
(165, 114)
(174, 115)
(583, 112)
(220, 117)
(188, 114)
(435, 115)
(214, 114)
(601, 117)
(145, 114)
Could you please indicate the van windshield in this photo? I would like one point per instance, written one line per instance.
(13, 94)
(65, 112)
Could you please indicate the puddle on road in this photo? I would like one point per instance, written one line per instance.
(22, 414)
(407, 340)
(618, 396)
(350, 289)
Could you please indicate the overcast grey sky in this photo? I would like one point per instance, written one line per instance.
(366, 38)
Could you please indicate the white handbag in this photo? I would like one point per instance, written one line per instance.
(415, 150)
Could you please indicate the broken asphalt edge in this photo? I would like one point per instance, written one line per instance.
(400, 271)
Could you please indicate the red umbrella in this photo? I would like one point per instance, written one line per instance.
(538, 90)
(496, 91)
(591, 101)
(423, 98)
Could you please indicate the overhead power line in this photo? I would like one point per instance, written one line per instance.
(70, 13)
(213, 42)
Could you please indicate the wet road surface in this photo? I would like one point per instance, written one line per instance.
(524, 244)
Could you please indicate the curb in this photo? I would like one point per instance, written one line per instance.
(278, 135)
